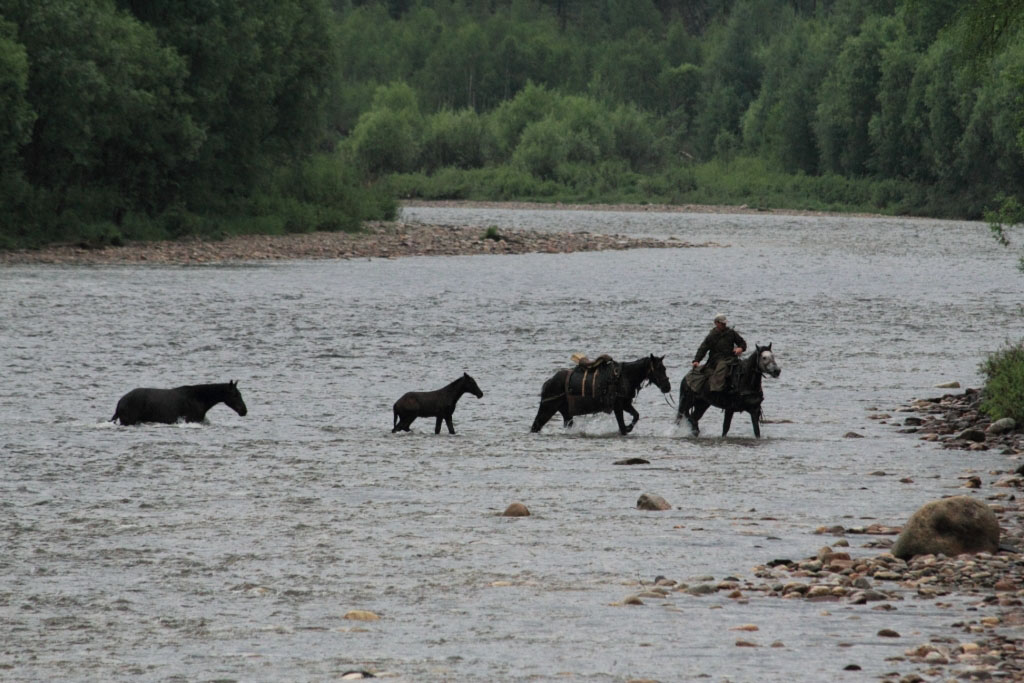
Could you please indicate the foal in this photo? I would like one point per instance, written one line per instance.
(439, 404)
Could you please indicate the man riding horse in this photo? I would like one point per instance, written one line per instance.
(723, 345)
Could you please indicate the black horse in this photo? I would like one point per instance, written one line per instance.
(745, 395)
(439, 404)
(189, 403)
(616, 384)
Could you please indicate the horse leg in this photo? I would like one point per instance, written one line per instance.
(623, 427)
(437, 424)
(756, 423)
(448, 422)
(544, 413)
(726, 422)
(694, 415)
(632, 411)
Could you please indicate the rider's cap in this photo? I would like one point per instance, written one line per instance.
(720, 318)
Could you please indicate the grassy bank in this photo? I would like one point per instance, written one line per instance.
(741, 181)
(1003, 393)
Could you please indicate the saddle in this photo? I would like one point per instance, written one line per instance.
(592, 378)
(697, 379)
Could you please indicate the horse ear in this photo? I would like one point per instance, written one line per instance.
(769, 346)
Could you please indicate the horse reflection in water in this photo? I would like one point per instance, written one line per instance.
(439, 404)
(745, 394)
(603, 388)
(189, 403)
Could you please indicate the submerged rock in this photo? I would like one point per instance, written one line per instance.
(516, 510)
(652, 501)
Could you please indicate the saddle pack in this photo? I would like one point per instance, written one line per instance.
(595, 379)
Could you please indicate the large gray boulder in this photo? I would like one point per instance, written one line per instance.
(951, 526)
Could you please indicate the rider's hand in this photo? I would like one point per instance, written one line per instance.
(696, 363)
(737, 350)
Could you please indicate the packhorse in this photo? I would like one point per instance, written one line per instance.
(439, 404)
(603, 388)
(189, 403)
(745, 394)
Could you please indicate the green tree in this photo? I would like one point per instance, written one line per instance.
(732, 73)
(627, 70)
(112, 111)
(386, 138)
(454, 138)
(258, 79)
(779, 123)
(848, 98)
(894, 149)
(16, 113)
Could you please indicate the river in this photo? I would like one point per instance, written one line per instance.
(232, 550)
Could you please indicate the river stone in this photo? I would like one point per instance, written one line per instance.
(1007, 424)
(516, 510)
(951, 526)
(632, 461)
(972, 434)
(948, 385)
(652, 501)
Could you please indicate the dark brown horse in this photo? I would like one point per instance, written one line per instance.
(612, 389)
(189, 403)
(745, 395)
(439, 404)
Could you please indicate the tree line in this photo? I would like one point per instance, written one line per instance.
(155, 118)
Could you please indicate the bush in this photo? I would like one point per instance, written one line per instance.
(542, 148)
(457, 139)
(384, 141)
(1003, 393)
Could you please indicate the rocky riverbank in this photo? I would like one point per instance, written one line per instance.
(377, 240)
(983, 592)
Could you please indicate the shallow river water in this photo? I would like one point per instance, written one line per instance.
(232, 550)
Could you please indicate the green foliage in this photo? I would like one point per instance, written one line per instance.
(458, 139)
(1003, 393)
(1009, 215)
(531, 104)
(544, 145)
(849, 99)
(125, 119)
(16, 114)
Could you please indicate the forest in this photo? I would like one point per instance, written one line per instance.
(157, 119)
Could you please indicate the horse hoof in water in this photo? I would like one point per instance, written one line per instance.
(438, 404)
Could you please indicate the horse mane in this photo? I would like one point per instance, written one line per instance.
(631, 365)
(749, 376)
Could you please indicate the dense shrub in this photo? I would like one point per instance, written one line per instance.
(1003, 393)
(454, 138)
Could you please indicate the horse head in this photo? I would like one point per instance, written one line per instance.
(656, 374)
(469, 384)
(233, 398)
(766, 364)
